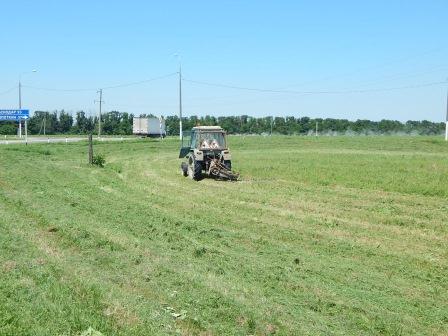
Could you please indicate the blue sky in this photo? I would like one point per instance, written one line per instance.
(291, 45)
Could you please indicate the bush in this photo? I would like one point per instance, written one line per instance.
(99, 160)
(8, 129)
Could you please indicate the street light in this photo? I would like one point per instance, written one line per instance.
(20, 102)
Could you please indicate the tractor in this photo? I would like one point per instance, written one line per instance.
(207, 153)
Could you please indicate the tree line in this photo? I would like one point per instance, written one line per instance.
(61, 122)
(120, 123)
(306, 126)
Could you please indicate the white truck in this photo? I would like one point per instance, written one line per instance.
(149, 126)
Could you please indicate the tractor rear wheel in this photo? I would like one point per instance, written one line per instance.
(194, 169)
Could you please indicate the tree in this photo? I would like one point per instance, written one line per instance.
(111, 122)
(81, 122)
(65, 122)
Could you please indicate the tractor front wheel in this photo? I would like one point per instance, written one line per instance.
(194, 169)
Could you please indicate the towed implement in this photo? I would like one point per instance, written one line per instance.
(207, 153)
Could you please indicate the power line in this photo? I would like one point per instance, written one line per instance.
(104, 88)
(9, 90)
(239, 87)
(58, 90)
(415, 86)
(406, 75)
(360, 70)
(140, 82)
(314, 92)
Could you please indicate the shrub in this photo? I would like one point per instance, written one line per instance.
(98, 160)
(8, 129)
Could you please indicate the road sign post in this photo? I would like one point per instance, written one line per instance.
(26, 131)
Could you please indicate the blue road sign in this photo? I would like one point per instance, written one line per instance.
(14, 115)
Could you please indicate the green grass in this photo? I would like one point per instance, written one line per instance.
(330, 236)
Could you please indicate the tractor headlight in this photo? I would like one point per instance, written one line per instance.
(198, 155)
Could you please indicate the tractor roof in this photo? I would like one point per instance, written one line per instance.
(207, 128)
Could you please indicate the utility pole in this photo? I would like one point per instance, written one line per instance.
(181, 136)
(26, 131)
(100, 91)
(272, 124)
(20, 107)
(20, 120)
(446, 119)
(160, 127)
(317, 123)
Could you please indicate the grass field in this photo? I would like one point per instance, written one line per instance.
(327, 236)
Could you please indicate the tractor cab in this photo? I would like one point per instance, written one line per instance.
(204, 138)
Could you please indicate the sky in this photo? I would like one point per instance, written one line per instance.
(330, 59)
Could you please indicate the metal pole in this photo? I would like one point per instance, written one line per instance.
(20, 107)
(446, 119)
(272, 123)
(26, 131)
(446, 130)
(160, 127)
(180, 102)
(99, 119)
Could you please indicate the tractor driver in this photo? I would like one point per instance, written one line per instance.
(204, 144)
(214, 144)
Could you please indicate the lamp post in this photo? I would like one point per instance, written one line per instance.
(20, 104)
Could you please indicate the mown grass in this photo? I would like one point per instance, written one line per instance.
(343, 235)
